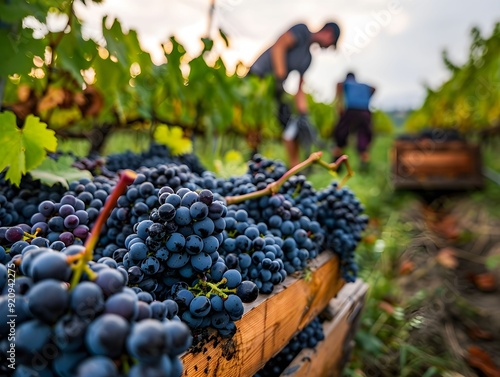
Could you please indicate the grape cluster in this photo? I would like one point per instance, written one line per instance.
(171, 254)
(174, 254)
(266, 167)
(340, 214)
(92, 329)
(299, 215)
(309, 337)
(254, 251)
(59, 223)
(156, 155)
(302, 237)
(18, 204)
(66, 221)
(301, 192)
(137, 203)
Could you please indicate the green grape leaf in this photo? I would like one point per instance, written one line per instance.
(51, 172)
(208, 43)
(18, 50)
(75, 53)
(224, 37)
(24, 148)
(174, 139)
(115, 41)
(232, 164)
(135, 53)
(14, 13)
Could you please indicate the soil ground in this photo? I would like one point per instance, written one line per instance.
(446, 264)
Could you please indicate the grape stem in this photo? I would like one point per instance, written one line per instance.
(201, 288)
(274, 187)
(126, 178)
(28, 236)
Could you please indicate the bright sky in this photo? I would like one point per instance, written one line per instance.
(395, 45)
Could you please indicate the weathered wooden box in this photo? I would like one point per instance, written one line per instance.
(270, 322)
(436, 165)
(331, 355)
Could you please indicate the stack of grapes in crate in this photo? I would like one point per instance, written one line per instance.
(117, 278)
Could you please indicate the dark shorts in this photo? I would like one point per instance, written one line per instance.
(284, 112)
(354, 121)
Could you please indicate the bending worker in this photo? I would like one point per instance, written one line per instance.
(291, 53)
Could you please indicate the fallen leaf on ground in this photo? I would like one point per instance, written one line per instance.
(446, 257)
(370, 239)
(480, 359)
(385, 306)
(485, 282)
(446, 226)
(406, 267)
(477, 333)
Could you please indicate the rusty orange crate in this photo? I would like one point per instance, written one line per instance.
(436, 165)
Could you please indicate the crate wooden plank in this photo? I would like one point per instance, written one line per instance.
(327, 359)
(434, 165)
(269, 323)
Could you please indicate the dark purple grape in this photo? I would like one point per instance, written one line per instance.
(40, 228)
(71, 222)
(46, 208)
(48, 300)
(68, 199)
(206, 196)
(147, 342)
(247, 291)
(14, 234)
(66, 210)
(67, 237)
(81, 231)
(166, 212)
(50, 265)
(56, 224)
(107, 335)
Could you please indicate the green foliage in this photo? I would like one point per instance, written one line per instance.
(323, 116)
(52, 171)
(174, 138)
(23, 148)
(493, 262)
(382, 123)
(232, 164)
(81, 87)
(74, 54)
(470, 99)
(18, 45)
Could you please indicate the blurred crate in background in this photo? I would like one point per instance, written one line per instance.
(425, 164)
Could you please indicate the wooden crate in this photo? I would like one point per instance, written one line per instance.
(268, 324)
(436, 165)
(330, 355)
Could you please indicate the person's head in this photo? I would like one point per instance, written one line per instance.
(328, 35)
(350, 76)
